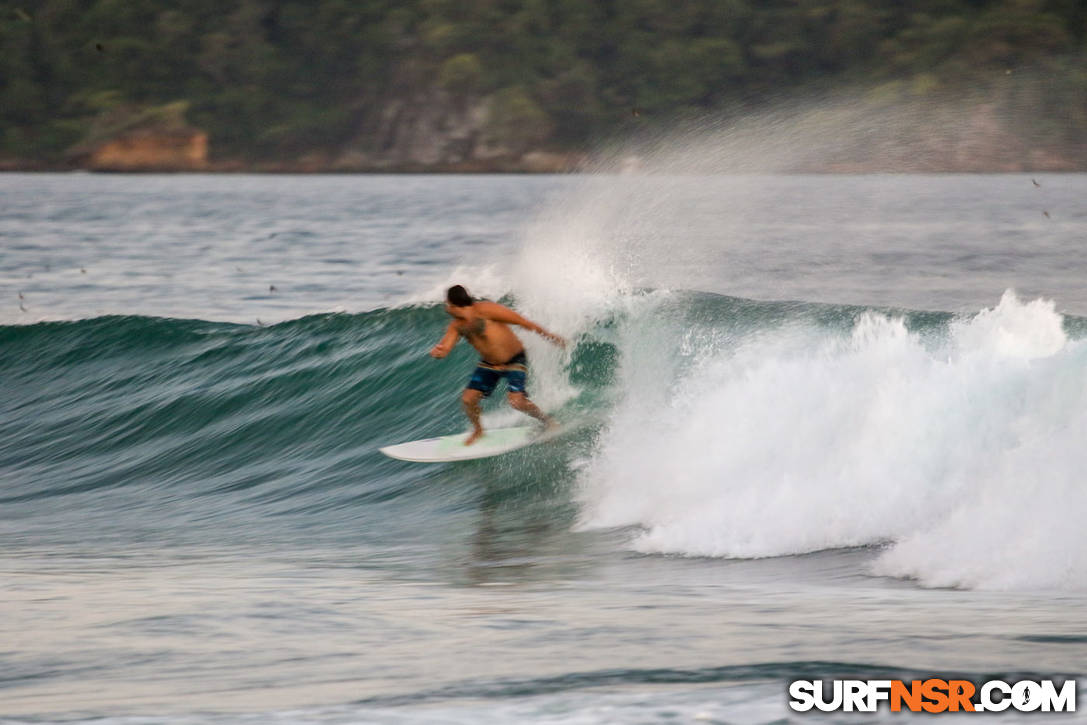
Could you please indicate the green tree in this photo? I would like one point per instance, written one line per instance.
(516, 121)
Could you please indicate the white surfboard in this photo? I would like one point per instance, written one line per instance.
(494, 442)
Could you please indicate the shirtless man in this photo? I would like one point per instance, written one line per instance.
(485, 325)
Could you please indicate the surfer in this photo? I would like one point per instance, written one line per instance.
(485, 325)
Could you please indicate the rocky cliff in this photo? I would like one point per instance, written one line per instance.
(151, 150)
(437, 131)
(129, 138)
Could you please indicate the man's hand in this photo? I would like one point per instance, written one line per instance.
(445, 345)
(553, 338)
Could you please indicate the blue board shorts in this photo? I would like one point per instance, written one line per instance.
(486, 375)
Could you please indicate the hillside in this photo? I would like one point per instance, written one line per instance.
(529, 85)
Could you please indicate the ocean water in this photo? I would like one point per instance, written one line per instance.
(815, 427)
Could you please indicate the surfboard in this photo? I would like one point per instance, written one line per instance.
(494, 442)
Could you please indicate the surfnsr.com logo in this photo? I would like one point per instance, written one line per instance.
(932, 695)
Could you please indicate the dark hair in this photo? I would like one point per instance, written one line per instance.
(458, 296)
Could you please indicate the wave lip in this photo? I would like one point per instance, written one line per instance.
(958, 446)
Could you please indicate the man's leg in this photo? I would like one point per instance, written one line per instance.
(470, 399)
(521, 402)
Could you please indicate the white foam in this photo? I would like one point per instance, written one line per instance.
(963, 451)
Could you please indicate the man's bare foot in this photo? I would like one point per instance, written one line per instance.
(476, 434)
(550, 425)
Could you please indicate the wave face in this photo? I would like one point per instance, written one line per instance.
(715, 426)
(129, 426)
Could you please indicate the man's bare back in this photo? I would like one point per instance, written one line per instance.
(495, 342)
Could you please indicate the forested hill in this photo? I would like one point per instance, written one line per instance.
(466, 84)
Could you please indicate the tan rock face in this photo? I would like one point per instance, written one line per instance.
(551, 163)
(151, 151)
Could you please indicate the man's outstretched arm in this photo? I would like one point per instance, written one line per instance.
(449, 339)
(501, 313)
